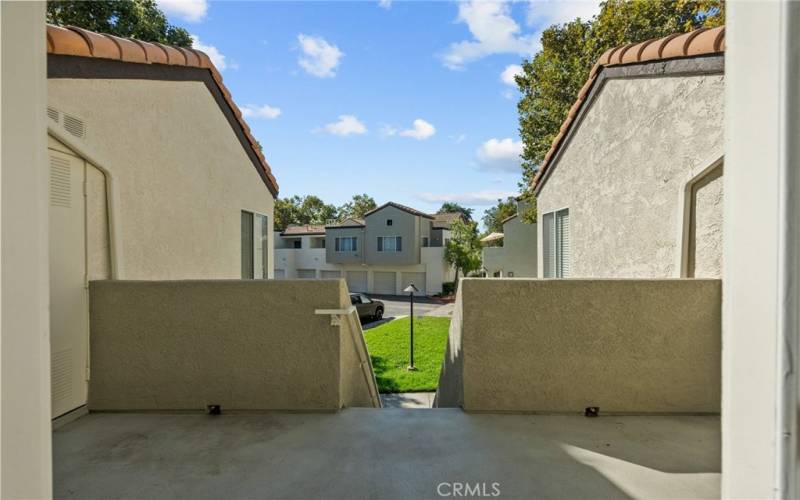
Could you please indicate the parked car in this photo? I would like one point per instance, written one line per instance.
(366, 307)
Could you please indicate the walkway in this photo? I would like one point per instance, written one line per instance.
(385, 454)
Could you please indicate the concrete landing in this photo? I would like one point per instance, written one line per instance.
(385, 454)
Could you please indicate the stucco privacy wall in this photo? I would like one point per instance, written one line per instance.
(246, 345)
(622, 173)
(705, 252)
(180, 175)
(628, 346)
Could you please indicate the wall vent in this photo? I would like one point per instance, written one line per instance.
(75, 126)
(60, 377)
(60, 183)
(54, 115)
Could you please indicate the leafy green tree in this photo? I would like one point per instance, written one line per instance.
(302, 210)
(452, 207)
(463, 249)
(493, 218)
(552, 78)
(140, 19)
(357, 207)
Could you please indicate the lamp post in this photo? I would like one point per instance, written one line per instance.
(411, 289)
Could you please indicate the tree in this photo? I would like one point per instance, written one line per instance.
(463, 249)
(140, 19)
(452, 207)
(493, 218)
(302, 210)
(552, 78)
(357, 207)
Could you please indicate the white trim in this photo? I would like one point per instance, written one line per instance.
(684, 216)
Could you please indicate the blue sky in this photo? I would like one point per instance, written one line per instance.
(406, 101)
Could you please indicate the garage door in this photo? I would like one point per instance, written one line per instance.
(330, 275)
(383, 283)
(306, 273)
(280, 274)
(357, 281)
(417, 278)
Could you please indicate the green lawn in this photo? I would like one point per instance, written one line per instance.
(388, 348)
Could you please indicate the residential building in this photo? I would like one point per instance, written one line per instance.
(153, 175)
(632, 185)
(512, 253)
(391, 247)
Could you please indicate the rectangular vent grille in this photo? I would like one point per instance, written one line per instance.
(60, 183)
(75, 126)
(61, 380)
(53, 114)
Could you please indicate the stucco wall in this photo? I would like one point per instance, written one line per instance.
(639, 346)
(518, 253)
(622, 173)
(705, 253)
(180, 174)
(249, 345)
(332, 256)
(404, 225)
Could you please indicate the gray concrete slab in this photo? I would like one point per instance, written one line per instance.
(385, 454)
(419, 400)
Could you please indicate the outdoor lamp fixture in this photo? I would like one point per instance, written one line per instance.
(411, 289)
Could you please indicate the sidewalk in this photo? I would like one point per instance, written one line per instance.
(408, 400)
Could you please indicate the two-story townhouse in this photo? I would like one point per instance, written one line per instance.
(391, 247)
(515, 256)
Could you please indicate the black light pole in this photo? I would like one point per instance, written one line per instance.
(411, 289)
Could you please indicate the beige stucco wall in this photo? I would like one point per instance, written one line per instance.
(518, 253)
(705, 252)
(181, 177)
(622, 173)
(639, 346)
(248, 345)
(404, 225)
(26, 459)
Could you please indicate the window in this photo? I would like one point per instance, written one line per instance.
(556, 244)
(390, 243)
(389, 222)
(425, 241)
(348, 244)
(298, 243)
(255, 246)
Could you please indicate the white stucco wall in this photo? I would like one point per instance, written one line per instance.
(705, 253)
(622, 173)
(181, 177)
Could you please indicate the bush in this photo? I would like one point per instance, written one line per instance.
(448, 288)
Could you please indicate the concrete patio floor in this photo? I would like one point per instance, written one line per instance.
(384, 454)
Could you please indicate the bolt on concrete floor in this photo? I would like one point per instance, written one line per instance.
(385, 454)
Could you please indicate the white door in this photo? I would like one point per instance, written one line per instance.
(417, 278)
(383, 283)
(330, 275)
(69, 311)
(307, 273)
(357, 281)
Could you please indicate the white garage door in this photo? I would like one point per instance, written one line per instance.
(417, 278)
(330, 275)
(280, 274)
(306, 273)
(357, 281)
(383, 283)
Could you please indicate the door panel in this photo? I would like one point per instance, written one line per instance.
(383, 282)
(418, 279)
(357, 281)
(69, 311)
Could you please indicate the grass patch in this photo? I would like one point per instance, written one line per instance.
(388, 348)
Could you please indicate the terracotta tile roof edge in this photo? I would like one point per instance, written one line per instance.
(700, 42)
(74, 41)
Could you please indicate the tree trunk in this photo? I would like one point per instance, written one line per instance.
(455, 282)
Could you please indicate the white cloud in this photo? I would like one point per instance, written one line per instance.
(266, 112)
(319, 58)
(544, 13)
(500, 154)
(508, 74)
(386, 4)
(188, 10)
(482, 198)
(217, 57)
(494, 31)
(420, 131)
(346, 125)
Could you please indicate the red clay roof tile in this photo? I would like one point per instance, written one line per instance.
(699, 42)
(74, 41)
